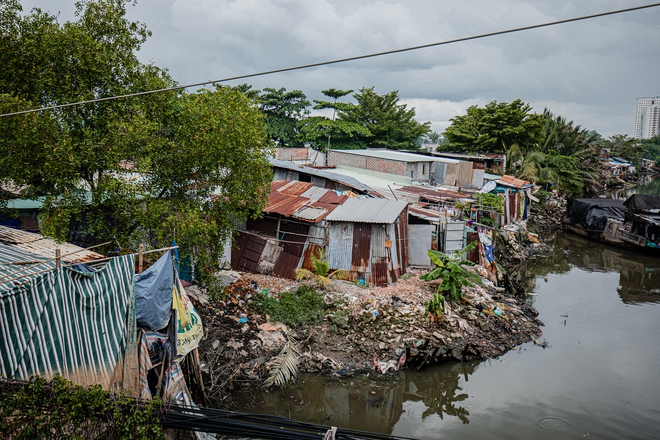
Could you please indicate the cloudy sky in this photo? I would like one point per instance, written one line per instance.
(590, 72)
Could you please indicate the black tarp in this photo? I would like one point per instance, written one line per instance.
(642, 202)
(592, 214)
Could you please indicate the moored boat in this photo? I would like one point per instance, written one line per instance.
(633, 223)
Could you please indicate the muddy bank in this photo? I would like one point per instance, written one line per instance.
(380, 329)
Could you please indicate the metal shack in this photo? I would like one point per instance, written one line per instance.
(369, 238)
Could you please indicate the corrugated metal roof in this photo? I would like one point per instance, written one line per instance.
(368, 211)
(295, 188)
(400, 156)
(311, 214)
(432, 193)
(426, 214)
(39, 245)
(315, 193)
(330, 175)
(508, 180)
(311, 205)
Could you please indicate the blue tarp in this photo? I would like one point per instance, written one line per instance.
(153, 294)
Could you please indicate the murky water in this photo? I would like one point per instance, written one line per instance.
(599, 376)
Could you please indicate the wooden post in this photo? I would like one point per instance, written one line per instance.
(58, 258)
(141, 258)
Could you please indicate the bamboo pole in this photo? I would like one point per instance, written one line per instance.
(141, 258)
(58, 258)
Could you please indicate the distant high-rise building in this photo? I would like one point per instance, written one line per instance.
(647, 118)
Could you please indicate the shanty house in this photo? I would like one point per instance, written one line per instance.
(369, 238)
(296, 223)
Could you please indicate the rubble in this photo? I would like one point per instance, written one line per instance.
(365, 329)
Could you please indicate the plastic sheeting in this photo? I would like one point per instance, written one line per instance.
(153, 294)
(592, 214)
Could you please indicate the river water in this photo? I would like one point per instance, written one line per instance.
(598, 377)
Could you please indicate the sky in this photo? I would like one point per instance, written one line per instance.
(590, 72)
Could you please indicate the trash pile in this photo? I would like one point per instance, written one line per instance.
(381, 329)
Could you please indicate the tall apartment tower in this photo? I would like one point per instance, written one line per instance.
(647, 118)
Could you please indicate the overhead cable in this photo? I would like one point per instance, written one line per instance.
(340, 60)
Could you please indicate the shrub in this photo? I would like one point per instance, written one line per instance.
(294, 308)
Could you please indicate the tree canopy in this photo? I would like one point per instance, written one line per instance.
(391, 125)
(493, 128)
(142, 169)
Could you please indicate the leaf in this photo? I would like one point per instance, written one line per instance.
(284, 366)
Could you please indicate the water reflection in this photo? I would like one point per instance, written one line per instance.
(369, 403)
(639, 274)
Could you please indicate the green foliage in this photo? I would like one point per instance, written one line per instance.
(651, 148)
(528, 165)
(491, 128)
(562, 137)
(622, 145)
(60, 409)
(449, 269)
(437, 305)
(283, 111)
(490, 200)
(569, 176)
(391, 125)
(144, 169)
(295, 308)
(320, 272)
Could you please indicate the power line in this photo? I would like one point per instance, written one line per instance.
(340, 60)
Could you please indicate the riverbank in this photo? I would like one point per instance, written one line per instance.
(364, 329)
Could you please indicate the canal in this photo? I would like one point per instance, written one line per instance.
(599, 375)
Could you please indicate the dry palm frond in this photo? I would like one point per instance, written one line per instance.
(284, 366)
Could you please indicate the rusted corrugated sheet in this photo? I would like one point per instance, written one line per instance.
(307, 257)
(340, 247)
(240, 240)
(311, 214)
(333, 198)
(379, 272)
(293, 237)
(295, 188)
(379, 237)
(284, 204)
(314, 193)
(402, 240)
(318, 235)
(433, 194)
(286, 266)
(361, 247)
(330, 184)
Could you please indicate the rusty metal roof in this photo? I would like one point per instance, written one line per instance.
(426, 214)
(368, 211)
(512, 181)
(302, 200)
(39, 245)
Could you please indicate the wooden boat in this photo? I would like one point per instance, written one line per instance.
(633, 223)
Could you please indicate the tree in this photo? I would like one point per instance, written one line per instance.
(141, 169)
(283, 111)
(392, 125)
(491, 128)
(651, 148)
(317, 129)
(560, 136)
(622, 145)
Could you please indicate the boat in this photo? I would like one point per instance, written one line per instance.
(632, 223)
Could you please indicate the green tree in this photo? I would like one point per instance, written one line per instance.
(491, 128)
(392, 125)
(563, 137)
(651, 148)
(317, 129)
(569, 176)
(141, 169)
(624, 146)
(283, 111)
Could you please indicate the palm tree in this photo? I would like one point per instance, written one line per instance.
(561, 136)
(528, 165)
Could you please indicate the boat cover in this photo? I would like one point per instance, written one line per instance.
(592, 214)
(642, 202)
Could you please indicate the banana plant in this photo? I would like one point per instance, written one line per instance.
(449, 269)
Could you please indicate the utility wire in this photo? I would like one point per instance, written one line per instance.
(340, 60)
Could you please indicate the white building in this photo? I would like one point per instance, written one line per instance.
(647, 118)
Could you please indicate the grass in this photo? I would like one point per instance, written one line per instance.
(294, 308)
